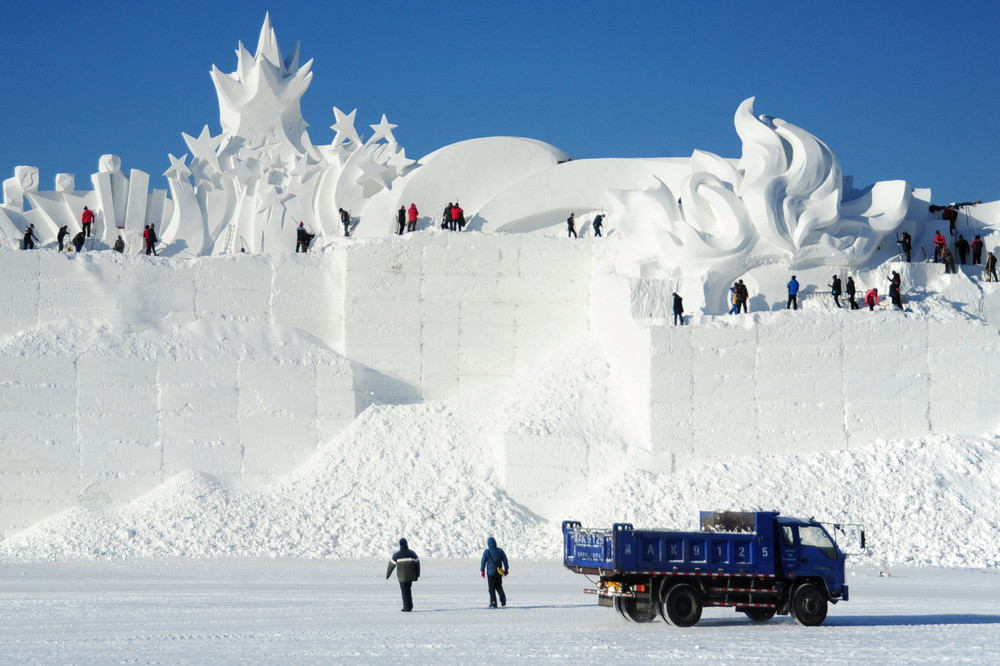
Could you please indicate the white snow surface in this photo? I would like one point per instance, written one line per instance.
(344, 611)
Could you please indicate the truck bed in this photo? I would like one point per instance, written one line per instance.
(624, 550)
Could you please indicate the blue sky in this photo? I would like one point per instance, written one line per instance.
(897, 90)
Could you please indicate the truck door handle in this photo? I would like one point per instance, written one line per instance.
(803, 560)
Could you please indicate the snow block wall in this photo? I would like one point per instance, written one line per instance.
(431, 316)
(189, 365)
(811, 383)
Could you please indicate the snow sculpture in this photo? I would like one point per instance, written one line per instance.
(121, 202)
(784, 201)
(248, 188)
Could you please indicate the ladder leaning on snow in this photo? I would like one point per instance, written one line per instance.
(227, 245)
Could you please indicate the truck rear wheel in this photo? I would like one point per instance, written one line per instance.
(632, 609)
(681, 606)
(759, 614)
(808, 605)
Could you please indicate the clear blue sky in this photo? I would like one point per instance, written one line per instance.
(897, 90)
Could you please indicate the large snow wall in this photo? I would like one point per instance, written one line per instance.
(117, 371)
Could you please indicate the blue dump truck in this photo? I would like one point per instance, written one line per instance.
(760, 563)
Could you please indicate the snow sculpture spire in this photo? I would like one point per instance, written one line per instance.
(260, 101)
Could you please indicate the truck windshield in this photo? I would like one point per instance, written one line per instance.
(811, 535)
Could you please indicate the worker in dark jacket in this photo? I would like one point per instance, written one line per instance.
(835, 289)
(962, 246)
(401, 220)
(61, 236)
(678, 309)
(493, 567)
(407, 566)
(851, 291)
(29, 238)
(78, 241)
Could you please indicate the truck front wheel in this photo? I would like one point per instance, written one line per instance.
(681, 606)
(808, 605)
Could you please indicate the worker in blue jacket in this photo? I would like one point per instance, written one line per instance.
(493, 567)
(407, 566)
(793, 294)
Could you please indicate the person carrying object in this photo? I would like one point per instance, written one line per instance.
(493, 567)
(407, 566)
(598, 223)
(302, 238)
(29, 238)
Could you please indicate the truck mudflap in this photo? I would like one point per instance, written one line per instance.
(844, 596)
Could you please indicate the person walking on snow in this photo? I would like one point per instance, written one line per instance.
(571, 223)
(87, 221)
(835, 289)
(977, 250)
(401, 221)
(407, 566)
(793, 294)
(598, 223)
(412, 218)
(678, 309)
(939, 244)
(733, 300)
(871, 298)
(493, 567)
(851, 291)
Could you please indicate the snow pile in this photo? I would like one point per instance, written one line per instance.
(430, 472)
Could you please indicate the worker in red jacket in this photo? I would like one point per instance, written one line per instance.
(939, 244)
(871, 298)
(977, 250)
(87, 220)
(457, 217)
(411, 218)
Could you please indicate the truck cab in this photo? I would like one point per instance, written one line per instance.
(808, 553)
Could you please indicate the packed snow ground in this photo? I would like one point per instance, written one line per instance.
(265, 611)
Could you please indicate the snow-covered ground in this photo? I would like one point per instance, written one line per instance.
(336, 611)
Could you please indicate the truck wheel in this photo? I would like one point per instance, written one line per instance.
(638, 612)
(617, 603)
(759, 614)
(681, 606)
(808, 605)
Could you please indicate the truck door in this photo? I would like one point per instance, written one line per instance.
(808, 551)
